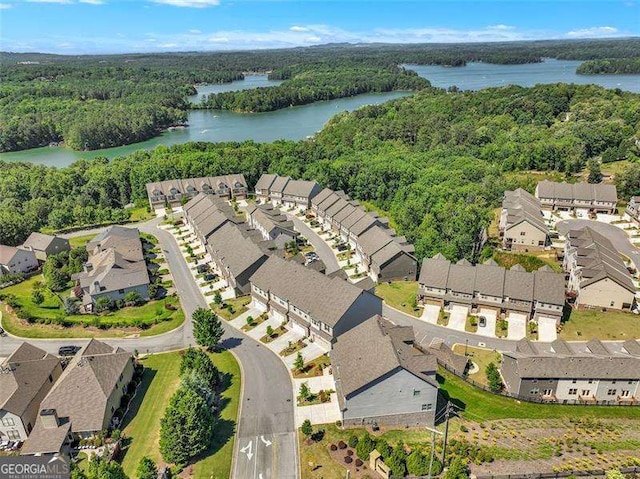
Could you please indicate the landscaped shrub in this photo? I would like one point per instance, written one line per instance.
(359, 463)
(333, 447)
(348, 459)
(350, 452)
(353, 440)
(493, 377)
(342, 445)
(365, 446)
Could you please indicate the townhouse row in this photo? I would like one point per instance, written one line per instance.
(175, 193)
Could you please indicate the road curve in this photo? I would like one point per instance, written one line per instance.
(322, 248)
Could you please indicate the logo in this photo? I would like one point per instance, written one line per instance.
(34, 467)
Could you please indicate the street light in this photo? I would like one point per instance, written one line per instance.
(466, 345)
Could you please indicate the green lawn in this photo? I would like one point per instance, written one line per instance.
(140, 214)
(584, 324)
(113, 324)
(238, 305)
(531, 261)
(80, 241)
(400, 295)
(160, 380)
(480, 356)
(478, 405)
(313, 368)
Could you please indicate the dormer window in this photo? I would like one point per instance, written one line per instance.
(174, 191)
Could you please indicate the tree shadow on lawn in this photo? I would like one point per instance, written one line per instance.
(444, 395)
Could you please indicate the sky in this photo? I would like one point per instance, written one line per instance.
(126, 26)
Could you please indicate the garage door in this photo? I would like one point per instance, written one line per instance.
(259, 305)
(278, 315)
(298, 328)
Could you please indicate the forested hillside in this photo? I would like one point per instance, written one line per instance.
(316, 82)
(93, 102)
(435, 161)
(617, 66)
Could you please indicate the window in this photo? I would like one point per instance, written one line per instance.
(613, 382)
(8, 421)
(611, 392)
(574, 381)
(547, 392)
(535, 391)
(427, 407)
(613, 303)
(590, 381)
(624, 393)
(13, 435)
(573, 392)
(121, 291)
(535, 381)
(586, 392)
(416, 392)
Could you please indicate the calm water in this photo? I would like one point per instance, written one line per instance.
(250, 81)
(299, 122)
(475, 76)
(293, 123)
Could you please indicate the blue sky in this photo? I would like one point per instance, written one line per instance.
(116, 26)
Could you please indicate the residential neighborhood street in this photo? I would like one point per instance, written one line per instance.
(322, 248)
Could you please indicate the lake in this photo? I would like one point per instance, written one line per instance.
(299, 122)
(475, 76)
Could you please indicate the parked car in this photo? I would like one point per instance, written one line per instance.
(342, 247)
(482, 321)
(2, 333)
(68, 350)
(4, 445)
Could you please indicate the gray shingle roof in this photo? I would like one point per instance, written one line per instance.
(27, 370)
(523, 206)
(598, 259)
(265, 181)
(579, 191)
(363, 224)
(320, 197)
(549, 287)
(279, 184)
(234, 249)
(490, 280)
(301, 188)
(46, 440)
(82, 391)
(435, 272)
(336, 207)
(632, 346)
(324, 298)
(39, 241)
(374, 239)
(194, 185)
(462, 278)
(7, 253)
(373, 349)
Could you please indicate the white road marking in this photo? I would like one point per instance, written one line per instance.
(247, 450)
(265, 441)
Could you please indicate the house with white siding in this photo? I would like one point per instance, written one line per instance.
(522, 225)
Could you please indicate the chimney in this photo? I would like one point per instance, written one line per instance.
(49, 418)
(88, 267)
(95, 287)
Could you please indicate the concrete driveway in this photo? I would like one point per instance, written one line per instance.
(517, 326)
(458, 318)
(490, 328)
(323, 249)
(547, 329)
(618, 237)
(430, 313)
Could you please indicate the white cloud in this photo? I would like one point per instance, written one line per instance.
(313, 39)
(194, 31)
(5, 6)
(168, 45)
(501, 27)
(594, 32)
(92, 2)
(218, 40)
(188, 3)
(65, 2)
(297, 28)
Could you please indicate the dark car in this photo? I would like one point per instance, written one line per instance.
(2, 333)
(68, 350)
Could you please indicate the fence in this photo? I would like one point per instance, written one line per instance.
(465, 378)
(554, 475)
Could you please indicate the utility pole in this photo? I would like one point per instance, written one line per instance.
(447, 414)
(433, 451)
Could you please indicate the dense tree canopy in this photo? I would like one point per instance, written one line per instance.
(434, 161)
(624, 66)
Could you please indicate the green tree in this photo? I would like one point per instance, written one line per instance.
(147, 469)
(217, 297)
(269, 331)
(364, 447)
(595, 173)
(306, 428)
(493, 377)
(207, 328)
(101, 468)
(103, 303)
(397, 462)
(418, 464)
(197, 361)
(614, 474)
(304, 392)
(457, 469)
(133, 297)
(186, 428)
(299, 362)
(37, 297)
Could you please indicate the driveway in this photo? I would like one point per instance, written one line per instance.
(430, 313)
(547, 329)
(490, 328)
(618, 237)
(458, 318)
(517, 326)
(322, 248)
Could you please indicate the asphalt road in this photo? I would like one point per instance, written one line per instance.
(618, 238)
(322, 248)
(266, 418)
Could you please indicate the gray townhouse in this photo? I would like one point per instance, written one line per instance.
(272, 224)
(298, 193)
(17, 260)
(276, 190)
(596, 198)
(382, 378)
(206, 214)
(262, 187)
(320, 307)
(574, 373)
(83, 400)
(598, 277)
(386, 256)
(633, 210)
(237, 256)
(522, 225)
(25, 379)
(173, 193)
(490, 286)
(45, 245)
(115, 267)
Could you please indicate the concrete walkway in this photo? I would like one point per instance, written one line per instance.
(458, 318)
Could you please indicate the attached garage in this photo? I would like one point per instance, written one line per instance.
(275, 314)
(298, 328)
(259, 305)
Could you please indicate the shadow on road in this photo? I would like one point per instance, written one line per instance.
(230, 343)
